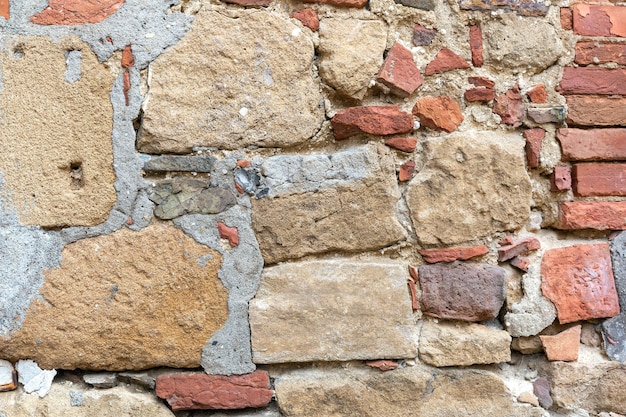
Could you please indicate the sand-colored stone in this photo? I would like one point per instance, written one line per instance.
(351, 53)
(474, 184)
(334, 310)
(129, 300)
(406, 392)
(562, 346)
(64, 175)
(463, 344)
(216, 89)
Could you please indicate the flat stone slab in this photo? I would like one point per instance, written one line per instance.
(334, 310)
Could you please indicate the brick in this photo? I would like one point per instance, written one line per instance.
(518, 248)
(521, 263)
(598, 81)
(458, 291)
(402, 144)
(399, 72)
(561, 178)
(190, 391)
(126, 85)
(599, 20)
(521, 7)
(308, 17)
(596, 111)
(592, 52)
(446, 60)
(229, 233)
(406, 171)
(534, 138)
(537, 94)
(480, 94)
(439, 113)
(128, 61)
(481, 82)
(4, 9)
(599, 179)
(340, 3)
(566, 18)
(554, 114)
(76, 12)
(541, 388)
(579, 281)
(383, 365)
(598, 215)
(423, 36)
(453, 254)
(476, 45)
(509, 107)
(374, 120)
(562, 346)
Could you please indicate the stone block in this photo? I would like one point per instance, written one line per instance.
(479, 94)
(350, 310)
(163, 163)
(537, 94)
(180, 196)
(8, 376)
(418, 4)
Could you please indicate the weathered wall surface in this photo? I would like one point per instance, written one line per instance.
(312, 208)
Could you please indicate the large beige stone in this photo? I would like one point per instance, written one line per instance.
(473, 185)
(129, 300)
(68, 400)
(57, 155)
(351, 53)
(332, 310)
(463, 344)
(233, 82)
(406, 392)
(344, 201)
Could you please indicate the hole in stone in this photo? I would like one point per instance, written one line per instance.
(73, 62)
(76, 175)
(18, 51)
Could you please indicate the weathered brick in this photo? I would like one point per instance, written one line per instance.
(402, 144)
(519, 247)
(229, 233)
(599, 20)
(592, 144)
(406, 171)
(599, 215)
(579, 281)
(440, 113)
(562, 346)
(561, 178)
(596, 111)
(599, 81)
(520, 262)
(76, 12)
(509, 107)
(481, 82)
(192, 391)
(566, 18)
(446, 60)
(462, 253)
(480, 94)
(308, 17)
(534, 138)
(537, 94)
(399, 71)
(383, 365)
(592, 52)
(599, 179)
(374, 120)
(128, 61)
(340, 3)
(423, 36)
(521, 7)
(554, 114)
(476, 45)
(4, 9)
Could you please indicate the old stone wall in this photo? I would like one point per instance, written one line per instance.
(309, 208)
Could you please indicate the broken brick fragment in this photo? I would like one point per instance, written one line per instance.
(440, 113)
(76, 12)
(561, 178)
(126, 85)
(453, 254)
(128, 61)
(402, 144)
(537, 94)
(518, 248)
(446, 60)
(308, 17)
(481, 82)
(509, 107)
(476, 45)
(399, 71)
(562, 346)
(423, 36)
(566, 18)
(375, 120)
(229, 233)
(4, 9)
(406, 171)
(534, 138)
(244, 163)
(479, 94)
(520, 262)
(383, 365)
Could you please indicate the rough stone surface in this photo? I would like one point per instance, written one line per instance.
(76, 12)
(248, 93)
(375, 120)
(351, 53)
(541, 388)
(113, 305)
(592, 144)
(72, 186)
(579, 281)
(614, 338)
(399, 71)
(418, 4)
(599, 215)
(338, 188)
(363, 392)
(350, 310)
(562, 346)
(554, 114)
(596, 110)
(527, 345)
(461, 344)
(446, 60)
(453, 254)
(101, 380)
(521, 7)
(439, 113)
(179, 196)
(478, 185)
(214, 392)
(510, 107)
(462, 291)
(423, 36)
(164, 163)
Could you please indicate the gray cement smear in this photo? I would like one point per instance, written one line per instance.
(229, 350)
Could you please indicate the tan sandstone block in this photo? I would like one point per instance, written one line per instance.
(129, 300)
(57, 158)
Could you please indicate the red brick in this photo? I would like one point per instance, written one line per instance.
(592, 144)
(509, 107)
(591, 52)
(598, 215)
(244, 163)
(599, 179)
(340, 3)
(596, 111)
(520, 262)
(126, 85)
(566, 18)
(579, 281)
(599, 20)
(4, 9)
(534, 138)
(406, 171)
(383, 365)
(453, 254)
(479, 94)
(190, 391)
(521, 7)
(446, 60)
(476, 45)
(76, 12)
(375, 120)
(481, 82)
(506, 240)
(561, 178)
(517, 248)
(598, 81)
(562, 346)
(399, 71)
(308, 17)
(229, 233)
(423, 36)
(402, 144)
(537, 94)
(440, 113)
(128, 61)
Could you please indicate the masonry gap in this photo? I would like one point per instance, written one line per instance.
(76, 175)
(18, 51)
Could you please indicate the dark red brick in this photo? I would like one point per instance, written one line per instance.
(128, 61)
(592, 144)
(399, 71)
(597, 81)
(561, 178)
(340, 3)
(453, 254)
(596, 111)
(423, 36)
(76, 12)
(481, 82)
(537, 94)
(510, 107)
(446, 60)
(592, 52)
(375, 120)
(126, 85)
(4, 9)
(406, 171)
(402, 144)
(598, 215)
(308, 17)
(229, 233)
(599, 179)
(534, 138)
(517, 248)
(599, 20)
(481, 94)
(521, 7)
(439, 113)
(476, 45)
(566, 18)
(521, 263)
(192, 391)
